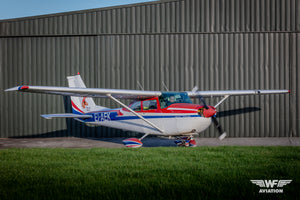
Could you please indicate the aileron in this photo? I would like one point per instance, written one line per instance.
(215, 93)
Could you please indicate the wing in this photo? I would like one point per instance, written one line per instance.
(132, 94)
(87, 92)
(66, 115)
(213, 93)
(260, 183)
(282, 183)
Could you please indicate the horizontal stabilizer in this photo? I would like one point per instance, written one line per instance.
(66, 115)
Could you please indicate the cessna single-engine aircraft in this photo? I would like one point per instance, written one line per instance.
(151, 112)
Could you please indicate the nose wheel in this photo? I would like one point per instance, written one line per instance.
(185, 142)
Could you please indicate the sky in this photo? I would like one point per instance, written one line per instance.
(24, 8)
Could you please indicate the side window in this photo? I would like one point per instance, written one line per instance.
(136, 106)
(163, 102)
(149, 105)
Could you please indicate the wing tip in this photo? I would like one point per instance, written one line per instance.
(18, 88)
(12, 89)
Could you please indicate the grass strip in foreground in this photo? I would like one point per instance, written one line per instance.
(147, 173)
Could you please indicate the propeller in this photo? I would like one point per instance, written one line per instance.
(210, 112)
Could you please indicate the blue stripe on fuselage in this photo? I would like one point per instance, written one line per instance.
(113, 116)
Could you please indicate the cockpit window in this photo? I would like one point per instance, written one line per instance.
(136, 106)
(169, 98)
(150, 104)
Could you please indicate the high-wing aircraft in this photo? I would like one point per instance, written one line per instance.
(150, 113)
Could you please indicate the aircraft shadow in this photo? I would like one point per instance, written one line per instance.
(239, 111)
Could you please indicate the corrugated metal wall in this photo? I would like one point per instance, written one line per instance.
(184, 16)
(217, 45)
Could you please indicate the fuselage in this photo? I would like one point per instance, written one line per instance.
(174, 116)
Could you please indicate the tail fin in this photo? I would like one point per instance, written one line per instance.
(81, 104)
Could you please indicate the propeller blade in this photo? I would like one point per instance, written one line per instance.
(219, 128)
(214, 119)
(202, 100)
(221, 137)
(196, 89)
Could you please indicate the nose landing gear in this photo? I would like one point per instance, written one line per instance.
(185, 142)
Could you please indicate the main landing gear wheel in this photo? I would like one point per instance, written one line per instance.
(185, 142)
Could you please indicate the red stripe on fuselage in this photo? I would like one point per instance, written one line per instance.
(182, 108)
(74, 106)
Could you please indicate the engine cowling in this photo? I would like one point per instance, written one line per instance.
(207, 112)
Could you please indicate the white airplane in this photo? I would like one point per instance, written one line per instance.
(151, 112)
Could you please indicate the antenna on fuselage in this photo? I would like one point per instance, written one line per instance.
(164, 85)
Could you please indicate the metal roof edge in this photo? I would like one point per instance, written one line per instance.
(154, 2)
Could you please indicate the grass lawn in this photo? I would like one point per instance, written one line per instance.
(147, 173)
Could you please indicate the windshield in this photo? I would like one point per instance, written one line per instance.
(169, 98)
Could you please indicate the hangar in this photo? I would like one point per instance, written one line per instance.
(216, 45)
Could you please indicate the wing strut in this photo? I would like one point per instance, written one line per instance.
(135, 113)
(222, 100)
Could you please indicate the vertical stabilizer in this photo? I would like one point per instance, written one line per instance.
(81, 104)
